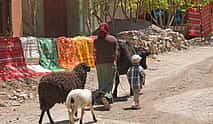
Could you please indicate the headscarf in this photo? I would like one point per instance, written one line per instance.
(103, 30)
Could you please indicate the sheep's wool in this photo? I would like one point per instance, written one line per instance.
(82, 97)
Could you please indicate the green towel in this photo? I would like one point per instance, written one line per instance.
(48, 53)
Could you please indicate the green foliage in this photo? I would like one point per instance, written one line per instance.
(183, 4)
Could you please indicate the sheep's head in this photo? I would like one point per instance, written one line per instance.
(82, 66)
(81, 71)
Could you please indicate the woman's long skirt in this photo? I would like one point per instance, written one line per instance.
(106, 78)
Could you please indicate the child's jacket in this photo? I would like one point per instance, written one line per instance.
(136, 76)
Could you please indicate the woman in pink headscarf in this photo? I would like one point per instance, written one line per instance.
(106, 52)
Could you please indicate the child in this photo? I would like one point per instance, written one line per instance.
(136, 78)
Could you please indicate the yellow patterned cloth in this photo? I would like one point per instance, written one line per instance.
(84, 50)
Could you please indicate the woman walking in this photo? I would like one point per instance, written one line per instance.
(106, 52)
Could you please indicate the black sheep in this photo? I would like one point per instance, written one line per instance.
(54, 87)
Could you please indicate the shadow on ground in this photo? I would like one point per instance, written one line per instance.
(61, 122)
(67, 122)
(130, 108)
(121, 99)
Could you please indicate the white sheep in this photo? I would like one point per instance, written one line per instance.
(79, 98)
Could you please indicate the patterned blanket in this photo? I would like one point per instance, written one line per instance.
(66, 52)
(85, 50)
(30, 48)
(48, 53)
(12, 62)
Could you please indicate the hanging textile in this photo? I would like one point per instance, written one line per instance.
(194, 22)
(66, 52)
(206, 19)
(211, 6)
(85, 50)
(200, 20)
(48, 53)
(30, 48)
(12, 62)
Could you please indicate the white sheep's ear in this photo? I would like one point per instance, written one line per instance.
(72, 101)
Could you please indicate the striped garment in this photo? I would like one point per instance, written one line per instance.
(136, 76)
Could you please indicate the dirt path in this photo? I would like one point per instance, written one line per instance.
(179, 90)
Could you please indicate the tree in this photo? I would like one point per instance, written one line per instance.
(105, 10)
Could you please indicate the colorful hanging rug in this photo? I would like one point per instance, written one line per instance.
(48, 53)
(30, 48)
(194, 22)
(66, 52)
(200, 20)
(85, 50)
(211, 6)
(12, 62)
(206, 20)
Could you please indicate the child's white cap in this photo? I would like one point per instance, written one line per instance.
(136, 58)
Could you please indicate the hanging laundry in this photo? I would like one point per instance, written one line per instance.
(206, 19)
(12, 61)
(200, 20)
(48, 53)
(85, 50)
(194, 22)
(30, 48)
(66, 52)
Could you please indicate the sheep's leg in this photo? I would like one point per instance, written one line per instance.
(117, 81)
(41, 117)
(82, 114)
(93, 114)
(50, 118)
(76, 113)
(131, 91)
(70, 114)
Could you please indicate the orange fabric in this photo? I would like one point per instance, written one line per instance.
(85, 50)
(66, 52)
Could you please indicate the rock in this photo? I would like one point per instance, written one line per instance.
(198, 41)
(3, 104)
(23, 95)
(3, 85)
(12, 97)
(31, 96)
(34, 88)
(18, 90)
(155, 39)
(21, 100)
(15, 103)
(3, 93)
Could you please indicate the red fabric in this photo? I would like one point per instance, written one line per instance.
(103, 30)
(200, 20)
(142, 16)
(211, 6)
(12, 62)
(194, 22)
(93, 37)
(206, 19)
(11, 53)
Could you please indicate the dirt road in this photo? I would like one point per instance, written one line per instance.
(179, 90)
